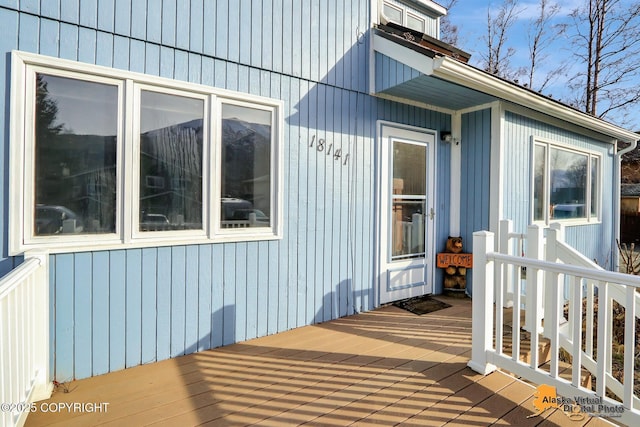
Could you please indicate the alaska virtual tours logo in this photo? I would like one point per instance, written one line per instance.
(577, 408)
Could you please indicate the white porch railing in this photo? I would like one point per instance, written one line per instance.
(554, 269)
(24, 339)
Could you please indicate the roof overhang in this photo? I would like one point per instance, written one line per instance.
(451, 84)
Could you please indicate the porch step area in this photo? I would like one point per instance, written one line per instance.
(544, 350)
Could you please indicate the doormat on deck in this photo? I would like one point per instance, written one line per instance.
(421, 305)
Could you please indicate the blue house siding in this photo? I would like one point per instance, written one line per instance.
(475, 181)
(595, 240)
(121, 308)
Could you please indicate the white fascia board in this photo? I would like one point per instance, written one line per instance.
(402, 54)
(432, 6)
(456, 72)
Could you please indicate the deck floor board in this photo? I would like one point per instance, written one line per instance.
(386, 367)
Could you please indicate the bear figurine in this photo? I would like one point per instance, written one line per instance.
(454, 277)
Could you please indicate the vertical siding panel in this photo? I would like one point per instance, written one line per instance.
(331, 41)
(305, 39)
(191, 300)
(166, 62)
(89, 13)
(29, 31)
(315, 35)
(220, 77)
(318, 113)
(264, 303)
(137, 56)
(234, 37)
(183, 22)
(121, 52)
(276, 53)
(49, 37)
(87, 40)
(205, 287)
(153, 11)
(252, 304)
(31, 6)
(296, 42)
(196, 25)
(240, 285)
(117, 301)
(152, 59)
(163, 308)
(123, 15)
(169, 22)
(208, 69)
(345, 282)
(327, 215)
(101, 312)
(149, 305)
(181, 71)
(82, 315)
(104, 49)
(50, 9)
(245, 30)
(133, 319)
(313, 168)
(267, 36)
(288, 35)
(302, 235)
(292, 218)
(178, 303)
(217, 295)
(209, 16)
(257, 19)
(275, 284)
(70, 11)
(229, 295)
(139, 30)
(195, 68)
(64, 307)
(323, 40)
(106, 15)
(222, 27)
(339, 44)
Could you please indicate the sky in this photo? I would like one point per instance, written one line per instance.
(470, 16)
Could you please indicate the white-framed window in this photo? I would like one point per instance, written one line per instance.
(102, 157)
(402, 14)
(565, 183)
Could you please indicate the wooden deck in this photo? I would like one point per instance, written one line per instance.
(386, 367)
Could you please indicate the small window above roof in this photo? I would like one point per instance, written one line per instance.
(418, 15)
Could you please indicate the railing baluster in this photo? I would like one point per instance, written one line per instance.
(500, 268)
(629, 348)
(589, 319)
(603, 337)
(575, 317)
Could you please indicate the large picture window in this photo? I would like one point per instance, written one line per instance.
(565, 183)
(102, 158)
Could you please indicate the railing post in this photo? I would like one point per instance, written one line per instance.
(505, 246)
(482, 303)
(43, 386)
(534, 284)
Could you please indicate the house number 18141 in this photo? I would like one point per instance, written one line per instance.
(321, 146)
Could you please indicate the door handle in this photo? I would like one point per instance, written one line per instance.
(432, 214)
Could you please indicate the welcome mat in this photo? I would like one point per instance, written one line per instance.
(421, 305)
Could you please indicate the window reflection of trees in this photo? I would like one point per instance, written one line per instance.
(75, 174)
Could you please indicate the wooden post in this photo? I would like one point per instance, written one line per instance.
(482, 303)
(505, 246)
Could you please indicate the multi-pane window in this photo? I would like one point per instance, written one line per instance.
(101, 157)
(401, 14)
(565, 183)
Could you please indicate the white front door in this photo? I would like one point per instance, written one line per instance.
(406, 212)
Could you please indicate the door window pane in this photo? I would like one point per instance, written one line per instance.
(171, 146)
(409, 168)
(76, 127)
(594, 186)
(246, 167)
(407, 229)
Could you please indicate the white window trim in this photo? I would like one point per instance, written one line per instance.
(590, 218)
(22, 158)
